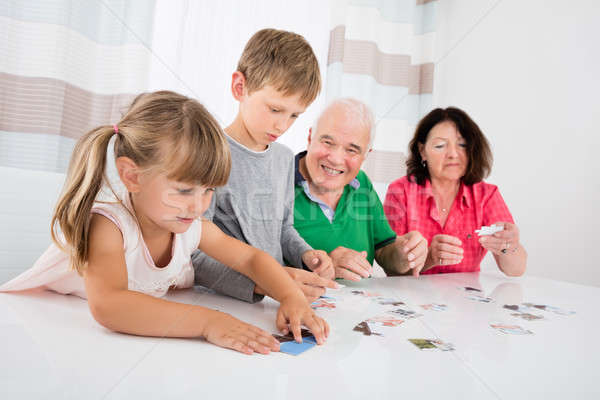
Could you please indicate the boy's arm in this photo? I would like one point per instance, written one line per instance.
(212, 274)
(292, 244)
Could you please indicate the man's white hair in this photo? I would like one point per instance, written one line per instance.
(355, 109)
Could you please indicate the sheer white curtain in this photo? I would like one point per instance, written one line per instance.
(197, 45)
(382, 53)
(65, 68)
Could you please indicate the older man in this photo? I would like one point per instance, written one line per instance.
(336, 207)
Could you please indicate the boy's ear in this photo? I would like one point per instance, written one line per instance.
(129, 174)
(238, 85)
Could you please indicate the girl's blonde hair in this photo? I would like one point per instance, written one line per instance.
(162, 131)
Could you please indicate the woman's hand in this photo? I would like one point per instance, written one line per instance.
(229, 332)
(504, 242)
(445, 250)
(294, 312)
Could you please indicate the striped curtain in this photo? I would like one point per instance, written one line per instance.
(65, 68)
(381, 52)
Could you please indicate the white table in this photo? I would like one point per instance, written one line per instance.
(51, 347)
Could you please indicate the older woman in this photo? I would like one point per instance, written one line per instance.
(443, 196)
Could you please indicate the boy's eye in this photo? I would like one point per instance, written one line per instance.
(209, 190)
(274, 110)
(294, 115)
(185, 191)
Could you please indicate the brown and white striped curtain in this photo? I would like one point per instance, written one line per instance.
(381, 52)
(65, 68)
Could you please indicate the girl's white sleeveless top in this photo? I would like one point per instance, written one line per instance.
(53, 271)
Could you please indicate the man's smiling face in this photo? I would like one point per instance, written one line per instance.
(336, 149)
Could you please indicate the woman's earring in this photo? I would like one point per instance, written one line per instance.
(424, 163)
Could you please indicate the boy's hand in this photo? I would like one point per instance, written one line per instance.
(311, 284)
(229, 332)
(294, 312)
(320, 263)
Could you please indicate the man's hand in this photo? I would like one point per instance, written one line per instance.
(319, 262)
(350, 264)
(413, 252)
(407, 254)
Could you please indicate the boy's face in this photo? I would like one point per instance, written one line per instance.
(268, 113)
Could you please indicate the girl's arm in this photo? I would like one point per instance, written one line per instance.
(269, 275)
(123, 310)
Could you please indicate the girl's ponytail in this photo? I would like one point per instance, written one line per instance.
(162, 132)
(83, 182)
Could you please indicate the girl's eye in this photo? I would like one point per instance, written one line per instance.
(274, 110)
(463, 145)
(439, 146)
(294, 116)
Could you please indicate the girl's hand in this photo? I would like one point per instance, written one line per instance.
(503, 242)
(320, 263)
(226, 331)
(295, 312)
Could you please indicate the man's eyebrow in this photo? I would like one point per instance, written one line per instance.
(356, 147)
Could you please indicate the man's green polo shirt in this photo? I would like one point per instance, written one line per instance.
(359, 222)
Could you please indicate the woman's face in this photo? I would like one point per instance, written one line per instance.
(445, 152)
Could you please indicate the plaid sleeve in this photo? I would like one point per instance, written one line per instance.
(494, 208)
(394, 207)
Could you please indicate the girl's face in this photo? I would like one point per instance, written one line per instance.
(168, 204)
(445, 152)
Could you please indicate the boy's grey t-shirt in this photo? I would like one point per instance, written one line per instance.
(257, 207)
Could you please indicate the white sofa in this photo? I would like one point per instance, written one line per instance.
(27, 199)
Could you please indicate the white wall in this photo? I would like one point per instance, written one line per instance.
(529, 75)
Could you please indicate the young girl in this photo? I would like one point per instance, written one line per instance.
(123, 244)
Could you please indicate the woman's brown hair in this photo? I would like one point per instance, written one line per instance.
(480, 157)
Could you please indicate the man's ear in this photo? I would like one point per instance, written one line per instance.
(309, 135)
(129, 174)
(238, 85)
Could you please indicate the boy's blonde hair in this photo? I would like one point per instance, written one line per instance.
(283, 60)
(161, 132)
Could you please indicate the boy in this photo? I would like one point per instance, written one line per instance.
(277, 78)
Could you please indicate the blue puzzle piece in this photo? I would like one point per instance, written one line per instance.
(295, 348)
